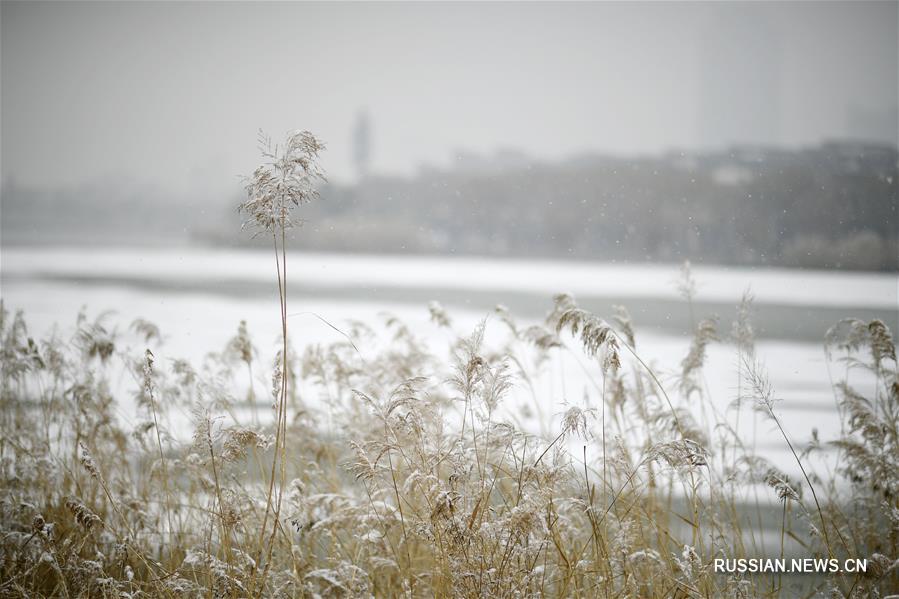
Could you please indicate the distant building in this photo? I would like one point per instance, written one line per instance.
(362, 143)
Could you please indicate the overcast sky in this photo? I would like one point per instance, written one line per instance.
(172, 94)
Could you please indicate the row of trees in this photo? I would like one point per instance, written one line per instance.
(832, 206)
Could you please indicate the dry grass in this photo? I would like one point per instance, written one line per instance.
(422, 483)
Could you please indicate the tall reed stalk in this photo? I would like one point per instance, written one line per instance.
(286, 180)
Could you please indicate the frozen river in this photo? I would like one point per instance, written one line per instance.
(198, 296)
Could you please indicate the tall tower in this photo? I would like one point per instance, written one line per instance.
(362, 143)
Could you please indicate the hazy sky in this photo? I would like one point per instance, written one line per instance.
(172, 94)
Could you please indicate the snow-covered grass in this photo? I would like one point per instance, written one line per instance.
(443, 456)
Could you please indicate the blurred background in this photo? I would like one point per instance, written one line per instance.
(719, 132)
(478, 153)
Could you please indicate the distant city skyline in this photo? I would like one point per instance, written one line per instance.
(170, 95)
